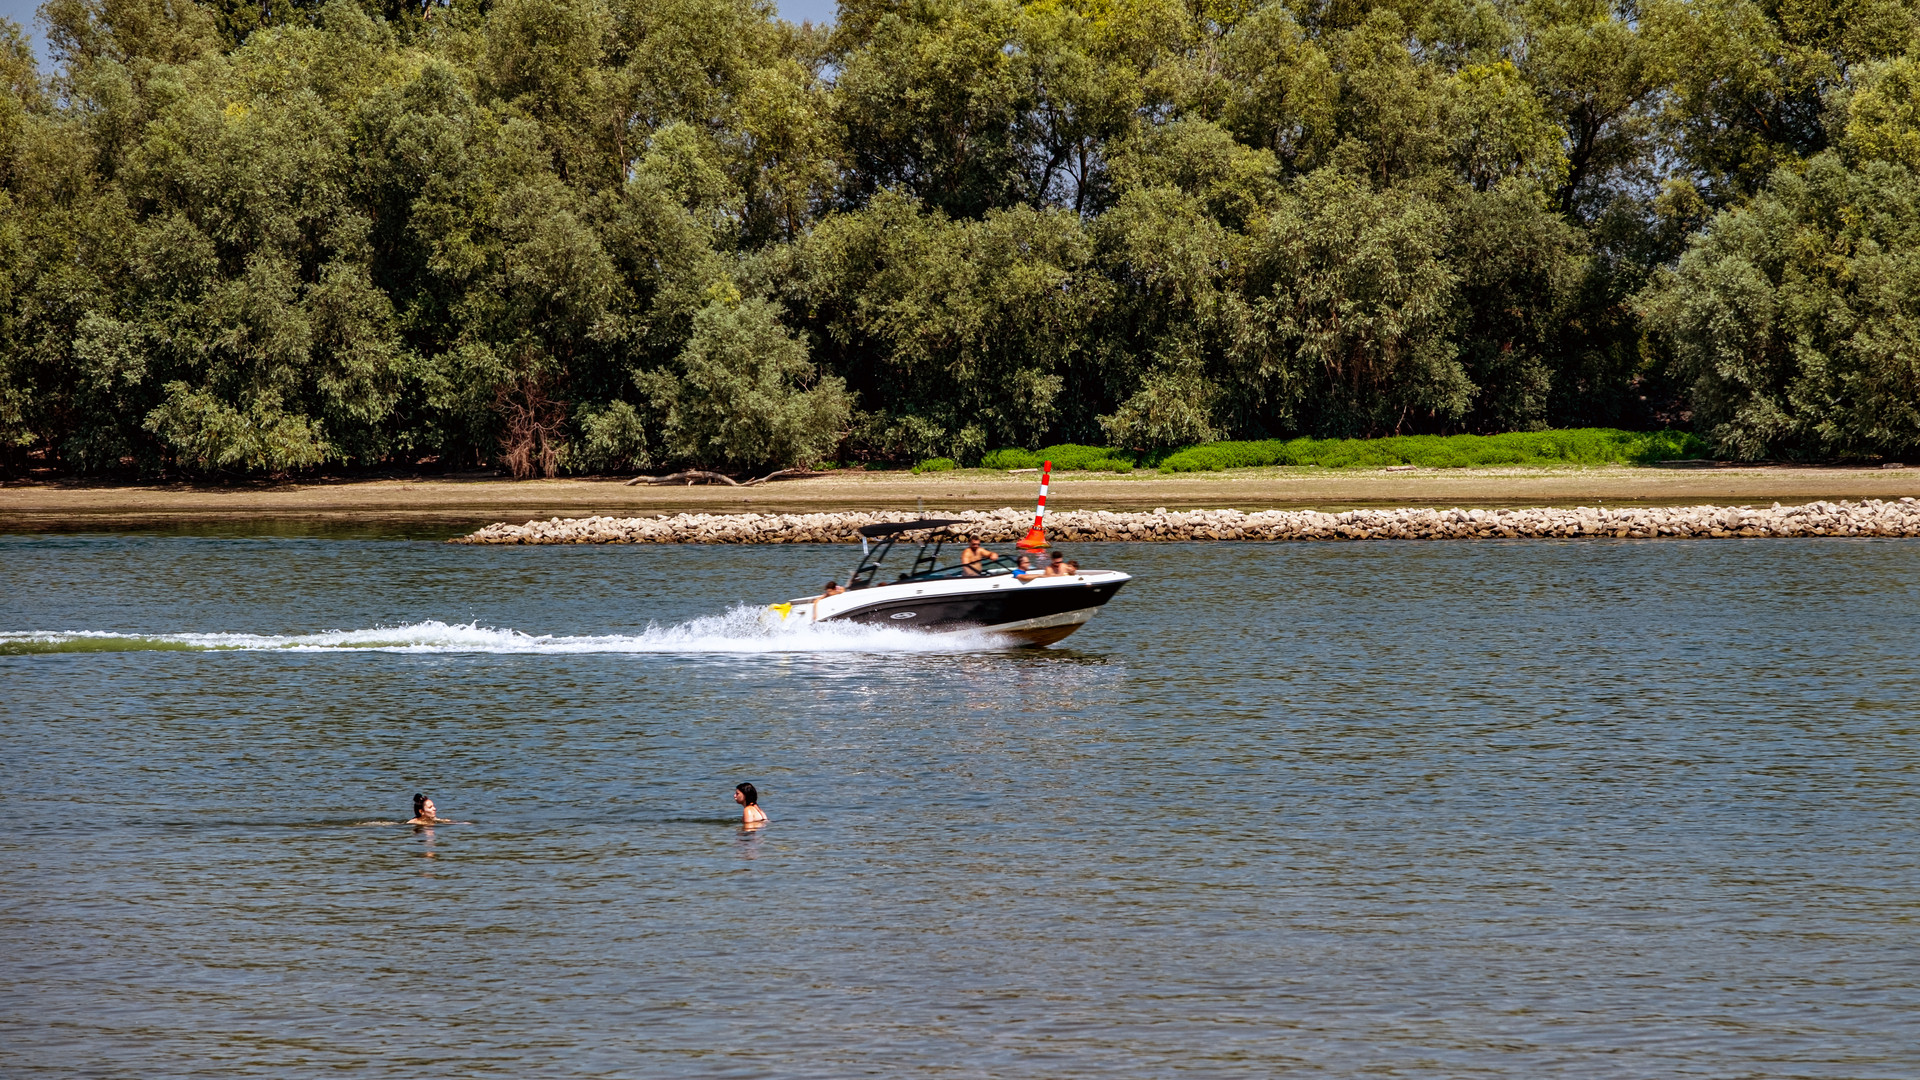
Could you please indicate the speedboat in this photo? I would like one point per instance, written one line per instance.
(987, 596)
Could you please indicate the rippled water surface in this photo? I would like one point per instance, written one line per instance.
(1517, 809)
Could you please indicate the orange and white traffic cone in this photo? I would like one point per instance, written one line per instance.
(1036, 538)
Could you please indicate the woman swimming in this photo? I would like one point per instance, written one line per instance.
(752, 817)
(425, 813)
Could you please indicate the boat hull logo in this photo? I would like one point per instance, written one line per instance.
(902, 615)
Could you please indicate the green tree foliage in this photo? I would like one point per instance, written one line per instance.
(1350, 327)
(598, 235)
(1795, 317)
(742, 393)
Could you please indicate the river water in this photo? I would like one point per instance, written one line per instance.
(1505, 809)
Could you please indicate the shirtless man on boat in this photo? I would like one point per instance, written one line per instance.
(973, 556)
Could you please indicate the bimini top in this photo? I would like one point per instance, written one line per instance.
(888, 528)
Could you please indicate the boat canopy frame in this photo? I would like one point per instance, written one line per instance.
(926, 561)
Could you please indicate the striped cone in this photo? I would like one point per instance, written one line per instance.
(1036, 538)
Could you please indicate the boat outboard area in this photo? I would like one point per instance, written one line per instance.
(930, 594)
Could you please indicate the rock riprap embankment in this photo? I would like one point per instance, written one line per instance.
(1872, 517)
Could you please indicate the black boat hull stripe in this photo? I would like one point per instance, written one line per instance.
(969, 611)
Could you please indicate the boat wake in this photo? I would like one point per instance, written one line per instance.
(745, 629)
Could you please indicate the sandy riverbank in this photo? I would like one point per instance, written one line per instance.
(459, 505)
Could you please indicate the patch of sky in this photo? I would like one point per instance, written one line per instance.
(22, 11)
(795, 11)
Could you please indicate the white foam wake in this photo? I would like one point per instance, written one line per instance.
(744, 629)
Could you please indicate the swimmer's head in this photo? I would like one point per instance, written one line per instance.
(745, 795)
(419, 803)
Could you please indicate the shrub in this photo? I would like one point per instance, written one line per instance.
(1009, 459)
(1066, 457)
(938, 464)
(1579, 446)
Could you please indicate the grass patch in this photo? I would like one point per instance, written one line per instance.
(1575, 446)
(938, 464)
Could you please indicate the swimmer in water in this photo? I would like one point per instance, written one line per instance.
(425, 813)
(752, 817)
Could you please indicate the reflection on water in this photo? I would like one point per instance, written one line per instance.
(1510, 809)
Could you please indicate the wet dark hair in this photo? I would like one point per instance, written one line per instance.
(419, 804)
(748, 793)
(1060, 555)
(833, 585)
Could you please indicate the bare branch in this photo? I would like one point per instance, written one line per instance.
(691, 476)
(784, 474)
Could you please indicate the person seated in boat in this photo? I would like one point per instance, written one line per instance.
(1073, 568)
(425, 813)
(833, 589)
(749, 798)
(1024, 570)
(973, 556)
(1056, 566)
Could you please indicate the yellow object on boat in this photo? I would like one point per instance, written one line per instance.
(783, 609)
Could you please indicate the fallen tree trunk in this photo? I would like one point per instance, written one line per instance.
(699, 476)
(691, 476)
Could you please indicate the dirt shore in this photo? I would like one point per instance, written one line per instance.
(458, 505)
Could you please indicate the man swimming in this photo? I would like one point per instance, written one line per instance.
(748, 797)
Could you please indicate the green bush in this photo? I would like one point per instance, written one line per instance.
(938, 464)
(1066, 457)
(1009, 459)
(1579, 446)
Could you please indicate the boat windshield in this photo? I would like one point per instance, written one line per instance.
(926, 565)
(983, 568)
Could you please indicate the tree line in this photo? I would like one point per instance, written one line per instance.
(601, 235)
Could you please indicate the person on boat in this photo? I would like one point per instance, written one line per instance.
(749, 798)
(1073, 567)
(1056, 566)
(425, 813)
(973, 556)
(1024, 570)
(833, 589)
